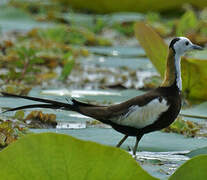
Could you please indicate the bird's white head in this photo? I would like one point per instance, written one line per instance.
(180, 45)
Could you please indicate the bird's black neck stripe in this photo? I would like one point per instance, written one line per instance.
(173, 42)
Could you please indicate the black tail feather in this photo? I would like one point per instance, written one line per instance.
(30, 98)
(79, 103)
(48, 103)
(51, 106)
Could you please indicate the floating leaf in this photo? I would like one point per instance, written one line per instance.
(16, 19)
(197, 152)
(195, 168)
(197, 110)
(194, 71)
(155, 141)
(58, 156)
(187, 23)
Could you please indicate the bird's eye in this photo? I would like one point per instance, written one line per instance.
(186, 43)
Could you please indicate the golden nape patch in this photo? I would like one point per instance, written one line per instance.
(170, 70)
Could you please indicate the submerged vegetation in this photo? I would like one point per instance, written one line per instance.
(10, 131)
(33, 56)
(187, 128)
(37, 119)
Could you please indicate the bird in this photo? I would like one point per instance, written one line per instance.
(152, 111)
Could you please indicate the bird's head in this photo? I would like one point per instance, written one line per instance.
(180, 45)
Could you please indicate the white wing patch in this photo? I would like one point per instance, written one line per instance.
(140, 117)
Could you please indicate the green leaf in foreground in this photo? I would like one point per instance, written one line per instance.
(193, 169)
(57, 156)
(194, 71)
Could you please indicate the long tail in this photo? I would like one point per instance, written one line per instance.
(47, 103)
(95, 111)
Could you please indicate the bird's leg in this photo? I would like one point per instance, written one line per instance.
(136, 144)
(122, 140)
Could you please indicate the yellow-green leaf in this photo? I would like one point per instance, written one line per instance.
(194, 71)
(51, 156)
(19, 114)
(193, 169)
(155, 48)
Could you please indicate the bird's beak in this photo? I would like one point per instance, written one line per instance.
(194, 46)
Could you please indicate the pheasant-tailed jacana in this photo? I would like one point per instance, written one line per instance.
(143, 114)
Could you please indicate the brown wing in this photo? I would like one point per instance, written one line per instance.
(104, 113)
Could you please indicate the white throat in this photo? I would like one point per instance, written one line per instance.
(178, 71)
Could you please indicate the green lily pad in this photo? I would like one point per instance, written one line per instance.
(197, 152)
(56, 156)
(120, 51)
(198, 110)
(155, 142)
(199, 54)
(107, 19)
(117, 62)
(194, 71)
(193, 169)
(121, 17)
(15, 19)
